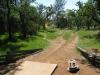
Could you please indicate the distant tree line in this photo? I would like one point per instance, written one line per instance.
(83, 18)
(27, 19)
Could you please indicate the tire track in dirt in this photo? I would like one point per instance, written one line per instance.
(60, 53)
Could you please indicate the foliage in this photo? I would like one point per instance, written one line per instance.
(59, 10)
(83, 18)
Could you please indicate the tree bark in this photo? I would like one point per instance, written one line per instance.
(8, 20)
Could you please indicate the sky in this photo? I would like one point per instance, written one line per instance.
(69, 5)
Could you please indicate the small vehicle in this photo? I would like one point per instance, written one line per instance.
(73, 67)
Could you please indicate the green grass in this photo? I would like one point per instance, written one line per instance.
(67, 34)
(33, 42)
(88, 39)
(50, 34)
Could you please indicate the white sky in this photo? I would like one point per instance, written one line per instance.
(69, 5)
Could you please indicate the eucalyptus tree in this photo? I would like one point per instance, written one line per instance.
(79, 4)
(89, 12)
(85, 13)
(71, 17)
(2, 16)
(79, 17)
(28, 17)
(24, 11)
(10, 14)
(49, 12)
(10, 7)
(62, 20)
(41, 9)
(97, 5)
(58, 8)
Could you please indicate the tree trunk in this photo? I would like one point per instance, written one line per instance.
(24, 32)
(8, 20)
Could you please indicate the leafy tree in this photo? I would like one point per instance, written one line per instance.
(10, 6)
(83, 17)
(58, 9)
(70, 15)
(89, 12)
(41, 17)
(30, 19)
(79, 4)
(97, 5)
(41, 8)
(2, 16)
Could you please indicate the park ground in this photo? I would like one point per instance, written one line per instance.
(63, 48)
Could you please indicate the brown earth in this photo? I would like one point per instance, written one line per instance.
(59, 52)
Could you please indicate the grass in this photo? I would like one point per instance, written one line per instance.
(50, 34)
(67, 35)
(88, 39)
(33, 42)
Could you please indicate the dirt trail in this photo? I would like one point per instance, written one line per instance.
(59, 53)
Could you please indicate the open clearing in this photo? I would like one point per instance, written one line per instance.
(59, 52)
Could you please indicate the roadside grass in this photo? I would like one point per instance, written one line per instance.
(33, 42)
(88, 39)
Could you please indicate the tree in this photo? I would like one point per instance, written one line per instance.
(29, 19)
(58, 9)
(2, 16)
(83, 18)
(10, 5)
(41, 8)
(41, 17)
(79, 4)
(71, 15)
(88, 12)
(9, 9)
(48, 14)
(97, 5)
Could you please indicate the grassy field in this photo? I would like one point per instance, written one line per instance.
(88, 39)
(33, 42)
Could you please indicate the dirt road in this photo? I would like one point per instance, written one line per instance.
(59, 52)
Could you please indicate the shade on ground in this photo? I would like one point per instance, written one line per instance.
(35, 68)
